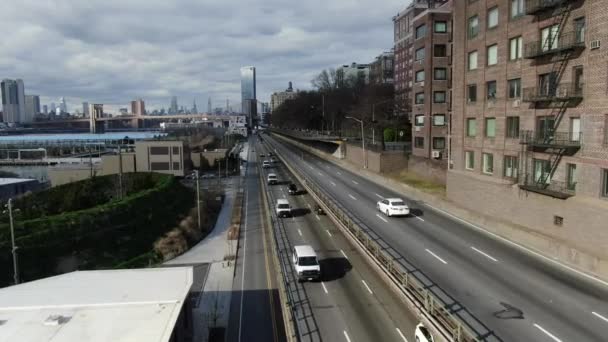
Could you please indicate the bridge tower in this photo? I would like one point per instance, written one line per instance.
(95, 113)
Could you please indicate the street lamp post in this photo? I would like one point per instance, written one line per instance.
(362, 140)
(14, 248)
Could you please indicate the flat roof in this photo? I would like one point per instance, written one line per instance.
(108, 305)
(6, 181)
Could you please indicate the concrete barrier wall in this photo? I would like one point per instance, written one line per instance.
(434, 170)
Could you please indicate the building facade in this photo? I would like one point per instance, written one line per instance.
(382, 69)
(277, 99)
(138, 107)
(13, 100)
(530, 121)
(248, 93)
(354, 72)
(32, 107)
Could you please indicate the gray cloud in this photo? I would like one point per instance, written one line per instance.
(112, 51)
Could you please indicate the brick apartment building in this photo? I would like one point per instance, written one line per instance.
(530, 121)
(382, 69)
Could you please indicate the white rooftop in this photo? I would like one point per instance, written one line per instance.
(109, 305)
(6, 181)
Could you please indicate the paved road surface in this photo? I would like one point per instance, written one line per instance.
(517, 296)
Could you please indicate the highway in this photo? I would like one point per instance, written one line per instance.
(516, 296)
(351, 302)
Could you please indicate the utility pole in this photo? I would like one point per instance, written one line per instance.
(323, 110)
(198, 199)
(362, 140)
(14, 248)
(120, 171)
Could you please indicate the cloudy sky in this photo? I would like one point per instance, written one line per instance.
(112, 51)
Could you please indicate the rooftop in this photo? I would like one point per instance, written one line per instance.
(6, 181)
(109, 305)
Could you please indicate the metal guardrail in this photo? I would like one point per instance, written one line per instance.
(565, 41)
(551, 139)
(561, 92)
(536, 6)
(406, 276)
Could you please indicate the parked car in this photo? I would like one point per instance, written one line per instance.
(292, 189)
(393, 206)
(422, 334)
(283, 209)
(306, 263)
(272, 179)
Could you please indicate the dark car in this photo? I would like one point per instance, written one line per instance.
(293, 189)
(262, 155)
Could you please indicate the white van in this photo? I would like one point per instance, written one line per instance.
(283, 208)
(265, 164)
(272, 179)
(306, 263)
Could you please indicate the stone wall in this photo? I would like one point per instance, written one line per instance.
(430, 169)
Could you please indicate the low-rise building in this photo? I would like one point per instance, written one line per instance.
(352, 73)
(382, 69)
(278, 98)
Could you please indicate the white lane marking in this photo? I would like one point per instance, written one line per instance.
(379, 196)
(244, 261)
(324, 288)
(345, 256)
(484, 254)
(328, 233)
(418, 217)
(332, 183)
(547, 333)
(435, 255)
(401, 334)
(309, 206)
(599, 316)
(312, 168)
(351, 196)
(299, 232)
(382, 218)
(346, 335)
(355, 183)
(318, 218)
(556, 262)
(320, 174)
(339, 174)
(368, 289)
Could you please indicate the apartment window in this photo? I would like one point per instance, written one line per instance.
(159, 151)
(490, 127)
(471, 127)
(515, 48)
(492, 54)
(438, 143)
(492, 17)
(176, 150)
(420, 31)
(487, 163)
(469, 160)
(512, 127)
(549, 37)
(419, 120)
(472, 60)
(577, 73)
(473, 28)
(606, 129)
(420, 54)
(159, 166)
(441, 27)
(579, 29)
(440, 50)
(419, 142)
(571, 176)
(440, 74)
(176, 166)
(575, 129)
(491, 90)
(604, 183)
(438, 119)
(439, 97)
(510, 167)
(419, 98)
(542, 171)
(517, 8)
(514, 88)
(472, 93)
(420, 76)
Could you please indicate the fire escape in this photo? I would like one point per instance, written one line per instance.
(556, 47)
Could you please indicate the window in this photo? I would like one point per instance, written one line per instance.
(420, 76)
(517, 8)
(549, 37)
(472, 60)
(176, 150)
(420, 31)
(492, 54)
(514, 88)
(440, 74)
(547, 84)
(420, 54)
(542, 171)
(575, 129)
(419, 142)
(473, 29)
(438, 143)
(472, 93)
(577, 73)
(510, 167)
(159, 150)
(159, 166)
(491, 90)
(469, 160)
(492, 17)
(439, 97)
(579, 29)
(175, 165)
(419, 98)
(487, 163)
(604, 183)
(438, 119)
(441, 27)
(571, 176)
(606, 129)
(440, 50)
(512, 127)
(471, 127)
(490, 127)
(515, 48)
(544, 127)
(419, 120)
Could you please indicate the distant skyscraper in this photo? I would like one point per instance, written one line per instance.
(194, 109)
(248, 93)
(45, 110)
(10, 101)
(62, 105)
(138, 107)
(85, 109)
(53, 106)
(21, 98)
(173, 109)
(32, 107)
(209, 106)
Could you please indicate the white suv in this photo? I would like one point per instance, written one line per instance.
(283, 208)
(306, 263)
(272, 179)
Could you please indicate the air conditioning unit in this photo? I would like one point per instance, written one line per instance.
(418, 128)
(421, 84)
(516, 103)
(595, 44)
(436, 154)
